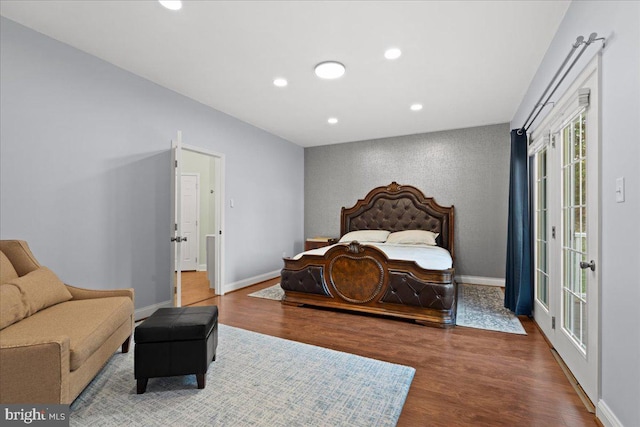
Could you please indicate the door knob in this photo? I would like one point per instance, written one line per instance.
(178, 239)
(591, 265)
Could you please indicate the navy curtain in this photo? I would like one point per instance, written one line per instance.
(518, 295)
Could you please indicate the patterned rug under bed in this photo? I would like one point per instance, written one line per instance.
(479, 307)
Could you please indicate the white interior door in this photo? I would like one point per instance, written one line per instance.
(176, 214)
(190, 220)
(566, 213)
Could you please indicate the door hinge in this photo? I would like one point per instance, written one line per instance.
(175, 226)
(176, 165)
(553, 232)
(553, 322)
(220, 232)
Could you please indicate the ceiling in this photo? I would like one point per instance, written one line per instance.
(468, 62)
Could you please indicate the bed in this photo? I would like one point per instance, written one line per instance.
(383, 278)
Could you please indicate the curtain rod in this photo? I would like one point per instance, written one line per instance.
(539, 106)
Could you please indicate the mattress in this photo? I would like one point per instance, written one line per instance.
(427, 257)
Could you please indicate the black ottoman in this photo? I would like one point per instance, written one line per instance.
(176, 341)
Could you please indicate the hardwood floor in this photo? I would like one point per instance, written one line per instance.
(195, 287)
(464, 376)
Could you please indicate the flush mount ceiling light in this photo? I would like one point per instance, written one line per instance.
(416, 107)
(393, 53)
(171, 4)
(332, 120)
(280, 82)
(329, 70)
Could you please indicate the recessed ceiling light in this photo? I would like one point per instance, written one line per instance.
(332, 120)
(280, 82)
(171, 4)
(416, 107)
(329, 70)
(393, 53)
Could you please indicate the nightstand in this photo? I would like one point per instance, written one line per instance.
(318, 242)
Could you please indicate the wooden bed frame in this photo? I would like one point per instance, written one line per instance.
(361, 278)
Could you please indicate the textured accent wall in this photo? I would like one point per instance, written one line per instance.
(468, 168)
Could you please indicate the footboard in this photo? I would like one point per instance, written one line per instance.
(361, 278)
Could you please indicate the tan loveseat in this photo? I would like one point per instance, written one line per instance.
(54, 338)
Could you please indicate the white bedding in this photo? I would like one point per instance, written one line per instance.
(427, 257)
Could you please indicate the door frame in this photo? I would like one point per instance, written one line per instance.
(547, 135)
(219, 226)
(175, 196)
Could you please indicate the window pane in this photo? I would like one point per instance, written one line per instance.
(577, 187)
(566, 158)
(543, 289)
(583, 324)
(583, 182)
(583, 145)
(576, 139)
(567, 187)
(568, 315)
(577, 226)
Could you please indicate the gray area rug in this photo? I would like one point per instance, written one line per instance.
(480, 307)
(256, 380)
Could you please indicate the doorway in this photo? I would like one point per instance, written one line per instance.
(207, 255)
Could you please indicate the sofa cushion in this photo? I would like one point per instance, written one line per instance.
(7, 272)
(87, 323)
(40, 289)
(12, 307)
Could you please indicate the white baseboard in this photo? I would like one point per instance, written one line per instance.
(201, 267)
(147, 311)
(606, 415)
(249, 281)
(479, 280)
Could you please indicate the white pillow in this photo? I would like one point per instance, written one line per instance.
(413, 237)
(365, 236)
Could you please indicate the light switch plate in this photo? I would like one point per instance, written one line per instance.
(620, 190)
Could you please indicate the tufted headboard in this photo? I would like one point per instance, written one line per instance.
(397, 208)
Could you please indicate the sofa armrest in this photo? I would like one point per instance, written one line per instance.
(81, 293)
(34, 370)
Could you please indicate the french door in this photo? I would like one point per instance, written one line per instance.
(566, 209)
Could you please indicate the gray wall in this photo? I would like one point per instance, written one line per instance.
(84, 170)
(619, 22)
(468, 168)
